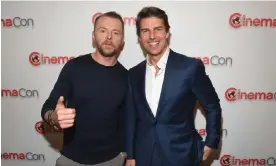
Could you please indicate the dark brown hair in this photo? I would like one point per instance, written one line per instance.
(151, 11)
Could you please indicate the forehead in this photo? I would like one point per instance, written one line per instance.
(109, 23)
(151, 22)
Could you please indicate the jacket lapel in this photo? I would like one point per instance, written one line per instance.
(169, 78)
(141, 86)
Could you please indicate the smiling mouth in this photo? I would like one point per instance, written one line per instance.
(153, 43)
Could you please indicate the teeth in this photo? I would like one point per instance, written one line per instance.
(153, 43)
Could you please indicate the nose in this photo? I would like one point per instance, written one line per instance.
(109, 35)
(152, 35)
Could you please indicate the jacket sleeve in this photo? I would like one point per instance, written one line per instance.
(208, 99)
(130, 123)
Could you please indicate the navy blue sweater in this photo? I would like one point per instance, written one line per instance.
(98, 93)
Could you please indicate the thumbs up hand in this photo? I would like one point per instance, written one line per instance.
(60, 103)
(62, 116)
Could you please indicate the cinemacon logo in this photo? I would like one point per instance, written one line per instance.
(127, 20)
(17, 22)
(238, 20)
(22, 156)
(233, 94)
(37, 59)
(21, 92)
(228, 160)
(216, 60)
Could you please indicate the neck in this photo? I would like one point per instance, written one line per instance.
(153, 59)
(106, 61)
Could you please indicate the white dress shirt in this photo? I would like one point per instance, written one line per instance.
(154, 83)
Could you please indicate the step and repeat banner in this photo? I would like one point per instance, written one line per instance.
(235, 40)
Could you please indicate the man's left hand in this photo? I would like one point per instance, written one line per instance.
(208, 152)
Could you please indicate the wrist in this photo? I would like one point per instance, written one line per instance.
(52, 121)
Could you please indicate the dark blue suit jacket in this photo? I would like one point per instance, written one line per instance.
(172, 131)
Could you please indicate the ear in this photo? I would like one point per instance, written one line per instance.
(123, 45)
(168, 35)
(93, 40)
(139, 40)
(93, 35)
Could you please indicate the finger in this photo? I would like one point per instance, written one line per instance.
(64, 126)
(60, 100)
(60, 103)
(71, 121)
(205, 155)
(127, 164)
(66, 117)
(204, 158)
(66, 111)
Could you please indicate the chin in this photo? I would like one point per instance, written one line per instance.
(109, 55)
(154, 50)
(154, 53)
(109, 52)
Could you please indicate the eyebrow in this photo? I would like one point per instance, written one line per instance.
(112, 29)
(153, 28)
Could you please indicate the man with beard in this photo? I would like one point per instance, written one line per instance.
(88, 98)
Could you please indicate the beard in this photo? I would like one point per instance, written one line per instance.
(106, 52)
